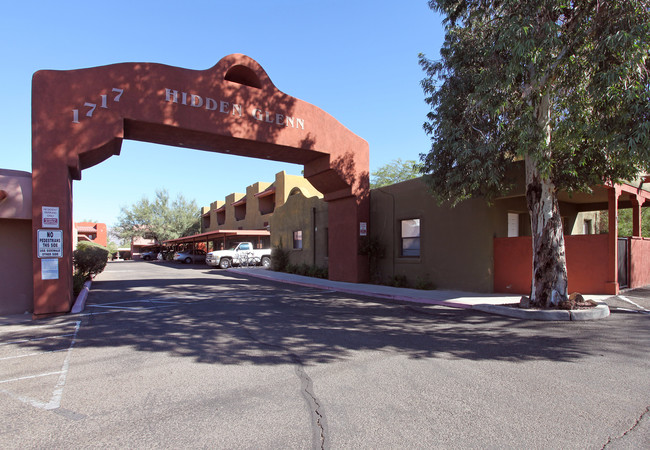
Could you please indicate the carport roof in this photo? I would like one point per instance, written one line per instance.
(217, 234)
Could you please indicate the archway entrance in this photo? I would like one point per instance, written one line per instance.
(80, 117)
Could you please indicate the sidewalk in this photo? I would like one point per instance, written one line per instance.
(490, 303)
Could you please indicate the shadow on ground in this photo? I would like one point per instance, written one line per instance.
(232, 319)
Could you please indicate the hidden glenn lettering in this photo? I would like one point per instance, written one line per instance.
(232, 109)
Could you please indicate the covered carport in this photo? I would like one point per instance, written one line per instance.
(221, 239)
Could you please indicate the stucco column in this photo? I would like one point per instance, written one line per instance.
(612, 264)
(344, 218)
(52, 188)
(637, 202)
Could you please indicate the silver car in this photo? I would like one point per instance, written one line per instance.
(190, 256)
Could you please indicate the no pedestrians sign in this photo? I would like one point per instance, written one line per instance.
(50, 243)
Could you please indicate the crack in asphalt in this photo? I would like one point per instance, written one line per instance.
(319, 426)
(630, 430)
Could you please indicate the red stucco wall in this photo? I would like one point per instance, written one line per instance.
(587, 258)
(639, 262)
(80, 117)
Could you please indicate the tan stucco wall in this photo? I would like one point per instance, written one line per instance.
(16, 294)
(284, 184)
(455, 243)
(308, 215)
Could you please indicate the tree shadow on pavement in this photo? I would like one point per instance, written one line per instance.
(232, 319)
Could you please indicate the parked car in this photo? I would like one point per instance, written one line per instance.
(240, 253)
(190, 256)
(149, 255)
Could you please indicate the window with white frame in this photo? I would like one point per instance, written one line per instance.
(410, 237)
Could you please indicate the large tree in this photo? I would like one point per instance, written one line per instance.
(395, 171)
(160, 219)
(560, 84)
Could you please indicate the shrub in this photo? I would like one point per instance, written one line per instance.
(279, 258)
(423, 282)
(78, 281)
(89, 259)
(398, 281)
(375, 250)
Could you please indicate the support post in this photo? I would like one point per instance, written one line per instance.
(637, 202)
(612, 286)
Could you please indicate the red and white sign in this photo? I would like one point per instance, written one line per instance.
(50, 217)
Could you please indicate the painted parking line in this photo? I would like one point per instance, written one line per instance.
(57, 392)
(22, 341)
(636, 305)
(142, 304)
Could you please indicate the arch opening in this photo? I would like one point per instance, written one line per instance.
(81, 117)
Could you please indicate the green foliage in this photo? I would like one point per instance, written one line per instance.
(279, 258)
(89, 259)
(160, 219)
(307, 270)
(625, 227)
(500, 64)
(78, 281)
(394, 172)
(422, 282)
(398, 281)
(375, 250)
(112, 248)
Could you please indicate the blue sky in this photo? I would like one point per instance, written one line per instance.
(356, 60)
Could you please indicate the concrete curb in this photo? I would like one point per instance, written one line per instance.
(599, 312)
(353, 291)
(80, 303)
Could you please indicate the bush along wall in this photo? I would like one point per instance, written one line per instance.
(89, 259)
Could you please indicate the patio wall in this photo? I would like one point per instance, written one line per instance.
(639, 262)
(586, 264)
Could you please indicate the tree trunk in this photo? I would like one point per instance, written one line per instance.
(550, 283)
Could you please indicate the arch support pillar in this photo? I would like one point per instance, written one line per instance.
(345, 217)
(53, 287)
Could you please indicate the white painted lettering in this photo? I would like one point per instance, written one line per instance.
(210, 104)
(171, 96)
(196, 101)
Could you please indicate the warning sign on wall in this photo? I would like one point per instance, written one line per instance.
(50, 217)
(50, 243)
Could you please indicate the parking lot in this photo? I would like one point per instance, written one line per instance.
(170, 355)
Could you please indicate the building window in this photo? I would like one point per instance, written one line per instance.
(588, 227)
(513, 225)
(410, 237)
(297, 240)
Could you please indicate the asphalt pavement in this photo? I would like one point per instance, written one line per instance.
(186, 356)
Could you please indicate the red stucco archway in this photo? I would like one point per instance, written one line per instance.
(80, 117)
